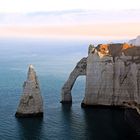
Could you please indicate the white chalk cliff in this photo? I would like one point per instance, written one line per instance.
(80, 69)
(112, 75)
(31, 103)
(112, 80)
(135, 42)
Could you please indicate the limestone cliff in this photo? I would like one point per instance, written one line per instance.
(112, 75)
(31, 103)
(135, 42)
(80, 69)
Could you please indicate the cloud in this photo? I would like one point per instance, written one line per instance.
(71, 23)
(70, 17)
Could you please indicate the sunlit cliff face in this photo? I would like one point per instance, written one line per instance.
(112, 49)
(104, 49)
(126, 46)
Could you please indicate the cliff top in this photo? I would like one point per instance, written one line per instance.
(117, 49)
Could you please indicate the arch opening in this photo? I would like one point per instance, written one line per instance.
(79, 70)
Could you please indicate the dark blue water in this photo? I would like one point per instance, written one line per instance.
(53, 60)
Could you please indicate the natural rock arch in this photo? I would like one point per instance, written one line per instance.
(80, 69)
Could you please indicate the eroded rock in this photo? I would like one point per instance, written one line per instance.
(112, 76)
(80, 69)
(31, 103)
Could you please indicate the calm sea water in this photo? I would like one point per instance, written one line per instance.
(53, 61)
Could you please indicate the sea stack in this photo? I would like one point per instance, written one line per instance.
(31, 102)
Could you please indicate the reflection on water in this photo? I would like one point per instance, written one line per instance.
(29, 128)
(67, 120)
(73, 124)
(95, 124)
(108, 124)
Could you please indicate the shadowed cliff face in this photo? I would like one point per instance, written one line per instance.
(112, 75)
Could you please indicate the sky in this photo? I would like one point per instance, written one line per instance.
(118, 19)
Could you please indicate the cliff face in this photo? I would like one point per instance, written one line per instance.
(31, 103)
(112, 75)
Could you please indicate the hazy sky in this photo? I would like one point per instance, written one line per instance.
(70, 18)
(25, 6)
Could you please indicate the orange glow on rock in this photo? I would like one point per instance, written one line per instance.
(104, 48)
(126, 46)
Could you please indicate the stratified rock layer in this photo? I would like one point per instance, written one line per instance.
(31, 103)
(112, 76)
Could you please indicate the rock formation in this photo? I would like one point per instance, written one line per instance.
(80, 69)
(31, 103)
(112, 75)
(135, 42)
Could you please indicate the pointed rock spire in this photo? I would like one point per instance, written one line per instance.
(31, 103)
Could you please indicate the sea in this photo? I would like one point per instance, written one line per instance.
(53, 61)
